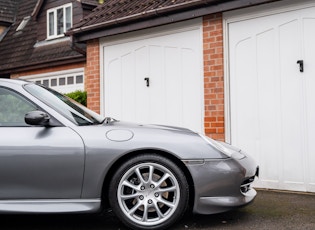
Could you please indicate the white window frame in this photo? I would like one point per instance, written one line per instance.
(65, 75)
(55, 28)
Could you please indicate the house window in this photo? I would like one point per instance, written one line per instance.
(53, 82)
(70, 80)
(59, 20)
(79, 79)
(46, 82)
(64, 82)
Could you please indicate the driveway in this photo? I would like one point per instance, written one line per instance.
(270, 210)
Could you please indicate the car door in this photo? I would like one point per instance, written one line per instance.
(36, 162)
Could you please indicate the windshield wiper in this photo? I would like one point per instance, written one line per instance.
(108, 120)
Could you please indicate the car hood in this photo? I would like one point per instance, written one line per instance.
(127, 137)
(137, 126)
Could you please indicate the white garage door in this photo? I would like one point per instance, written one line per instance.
(273, 100)
(156, 80)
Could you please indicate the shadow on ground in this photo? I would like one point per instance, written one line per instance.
(270, 210)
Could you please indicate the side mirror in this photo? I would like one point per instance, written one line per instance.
(38, 118)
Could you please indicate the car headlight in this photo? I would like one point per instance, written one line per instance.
(224, 148)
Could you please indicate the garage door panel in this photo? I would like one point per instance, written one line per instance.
(191, 102)
(157, 79)
(245, 85)
(172, 63)
(268, 112)
(128, 86)
(142, 93)
(271, 101)
(308, 40)
(114, 64)
(291, 106)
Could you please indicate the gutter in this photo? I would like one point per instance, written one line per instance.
(37, 8)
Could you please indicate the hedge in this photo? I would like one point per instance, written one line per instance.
(79, 96)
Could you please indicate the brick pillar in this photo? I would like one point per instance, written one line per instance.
(92, 75)
(213, 76)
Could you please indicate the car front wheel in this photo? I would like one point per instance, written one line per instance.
(149, 192)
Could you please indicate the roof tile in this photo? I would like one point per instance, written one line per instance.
(18, 50)
(7, 10)
(117, 9)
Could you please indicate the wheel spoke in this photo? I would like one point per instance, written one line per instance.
(158, 211)
(134, 208)
(165, 176)
(130, 185)
(151, 170)
(145, 213)
(129, 196)
(137, 170)
(167, 189)
(165, 202)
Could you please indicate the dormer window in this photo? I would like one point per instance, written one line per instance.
(59, 20)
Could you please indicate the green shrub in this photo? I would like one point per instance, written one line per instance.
(79, 96)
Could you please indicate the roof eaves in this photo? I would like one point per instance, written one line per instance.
(91, 3)
(142, 15)
(184, 11)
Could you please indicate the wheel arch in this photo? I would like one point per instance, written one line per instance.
(126, 157)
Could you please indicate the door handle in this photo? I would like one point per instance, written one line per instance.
(301, 63)
(148, 81)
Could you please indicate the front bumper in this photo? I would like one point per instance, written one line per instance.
(222, 184)
(210, 205)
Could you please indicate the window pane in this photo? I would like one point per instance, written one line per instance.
(70, 80)
(53, 82)
(68, 18)
(46, 83)
(51, 24)
(79, 79)
(38, 82)
(60, 29)
(62, 81)
(74, 111)
(13, 108)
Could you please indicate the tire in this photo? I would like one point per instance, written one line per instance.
(149, 192)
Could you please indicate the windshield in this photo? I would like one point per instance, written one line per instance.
(69, 108)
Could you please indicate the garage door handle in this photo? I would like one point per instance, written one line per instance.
(301, 63)
(148, 81)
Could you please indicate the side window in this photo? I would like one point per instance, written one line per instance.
(13, 108)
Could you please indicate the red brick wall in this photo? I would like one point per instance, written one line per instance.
(92, 75)
(48, 70)
(213, 76)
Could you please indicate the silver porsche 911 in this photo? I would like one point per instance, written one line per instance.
(56, 156)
